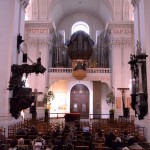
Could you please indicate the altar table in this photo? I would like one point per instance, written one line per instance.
(72, 116)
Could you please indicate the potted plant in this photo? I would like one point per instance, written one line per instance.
(111, 100)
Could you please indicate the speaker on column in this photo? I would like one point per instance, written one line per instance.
(24, 60)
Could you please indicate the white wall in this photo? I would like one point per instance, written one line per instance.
(93, 22)
(104, 106)
(11, 26)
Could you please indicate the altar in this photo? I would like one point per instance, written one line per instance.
(71, 117)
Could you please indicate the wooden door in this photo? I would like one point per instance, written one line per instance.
(79, 100)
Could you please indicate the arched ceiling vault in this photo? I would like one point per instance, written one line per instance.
(59, 9)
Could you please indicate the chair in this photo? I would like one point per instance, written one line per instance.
(103, 148)
(4, 146)
(81, 147)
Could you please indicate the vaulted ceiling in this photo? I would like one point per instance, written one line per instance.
(57, 10)
(102, 9)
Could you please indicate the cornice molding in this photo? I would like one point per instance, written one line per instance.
(121, 24)
(48, 24)
(118, 42)
(121, 34)
(38, 42)
(40, 28)
(88, 78)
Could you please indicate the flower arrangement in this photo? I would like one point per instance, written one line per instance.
(111, 98)
(48, 98)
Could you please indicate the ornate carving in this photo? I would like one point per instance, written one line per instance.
(121, 42)
(19, 70)
(36, 42)
(135, 2)
(121, 34)
(139, 93)
(39, 33)
(24, 3)
(22, 98)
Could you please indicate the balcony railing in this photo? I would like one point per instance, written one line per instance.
(88, 70)
(92, 74)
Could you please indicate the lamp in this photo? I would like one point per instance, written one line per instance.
(139, 83)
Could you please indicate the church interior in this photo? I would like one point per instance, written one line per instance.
(76, 61)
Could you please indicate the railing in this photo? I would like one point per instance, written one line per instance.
(60, 70)
(91, 116)
(88, 70)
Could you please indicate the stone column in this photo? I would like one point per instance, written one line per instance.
(12, 23)
(121, 44)
(38, 40)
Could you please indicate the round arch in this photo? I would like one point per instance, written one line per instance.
(79, 100)
(80, 25)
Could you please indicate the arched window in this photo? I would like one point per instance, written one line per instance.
(80, 25)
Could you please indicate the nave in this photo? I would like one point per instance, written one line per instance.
(85, 134)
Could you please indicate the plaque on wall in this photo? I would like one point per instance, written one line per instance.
(118, 102)
(75, 107)
(83, 107)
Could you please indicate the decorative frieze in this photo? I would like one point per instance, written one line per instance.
(121, 42)
(88, 78)
(38, 33)
(38, 29)
(38, 42)
(122, 31)
(121, 34)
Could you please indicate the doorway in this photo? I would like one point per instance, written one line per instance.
(79, 100)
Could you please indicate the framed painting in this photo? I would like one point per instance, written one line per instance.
(118, 102)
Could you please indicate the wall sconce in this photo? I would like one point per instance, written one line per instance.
(139, 83)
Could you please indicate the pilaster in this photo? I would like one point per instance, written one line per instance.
(121, 37)
(38, 38)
